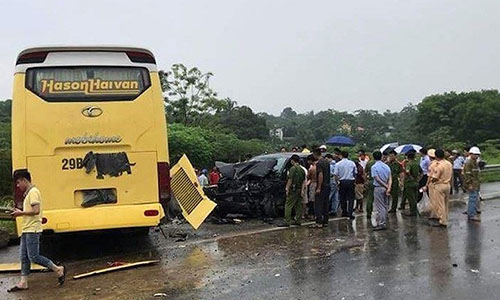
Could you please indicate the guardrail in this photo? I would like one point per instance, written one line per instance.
(491, 168)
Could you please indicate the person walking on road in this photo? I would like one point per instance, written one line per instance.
(458, 165)
(293, 189)
(345, 172)
(472, 183)
(410, 187)
(31, 230)
(382, 182)
(322, 189)
(440, 176)
(396, 173)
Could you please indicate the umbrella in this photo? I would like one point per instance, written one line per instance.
(389, 147)
(408, 147)
(340, 140)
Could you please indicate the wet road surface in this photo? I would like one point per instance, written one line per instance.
(257, 261)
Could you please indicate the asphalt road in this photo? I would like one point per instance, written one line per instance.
(253, 260)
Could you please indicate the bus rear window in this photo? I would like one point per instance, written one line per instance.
(87, 84)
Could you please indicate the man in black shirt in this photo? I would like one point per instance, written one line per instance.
(322, 189)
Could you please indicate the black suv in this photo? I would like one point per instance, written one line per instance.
(255, 188)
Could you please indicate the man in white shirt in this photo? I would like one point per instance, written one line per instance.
(203, 179)
(345, 172)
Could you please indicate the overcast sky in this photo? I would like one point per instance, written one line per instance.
(310, 55)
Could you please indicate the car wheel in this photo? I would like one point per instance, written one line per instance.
(220, 212)
(269, 207)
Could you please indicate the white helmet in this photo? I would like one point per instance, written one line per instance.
(475, 150)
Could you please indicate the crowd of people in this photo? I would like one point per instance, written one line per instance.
(332, 183)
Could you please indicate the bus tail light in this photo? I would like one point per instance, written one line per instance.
(151, 213)
(141, 57)
(32, 57)
(163, 181)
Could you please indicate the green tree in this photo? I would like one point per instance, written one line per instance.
(471, 117)
(188, 93)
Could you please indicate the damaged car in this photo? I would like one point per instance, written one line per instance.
(255, 188)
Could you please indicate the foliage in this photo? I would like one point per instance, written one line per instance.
(188, 94)
(190, 100)
(471, 117)
(204, 146)
(491, 176)
(490, 150)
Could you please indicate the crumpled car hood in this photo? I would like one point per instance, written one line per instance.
(244, 170)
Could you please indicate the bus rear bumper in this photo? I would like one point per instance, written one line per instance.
(101, 217)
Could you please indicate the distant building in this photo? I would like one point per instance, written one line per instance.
(346, 128)
(276, 133)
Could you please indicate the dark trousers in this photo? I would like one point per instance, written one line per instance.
(346, 195)
(458, 180)
(421, 184)
(321, 205)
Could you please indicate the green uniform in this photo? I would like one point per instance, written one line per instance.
(369, 200)
(471, 175)
(294, 198)
(410, 190)
(396, 169)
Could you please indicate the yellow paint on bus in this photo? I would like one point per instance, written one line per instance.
(70, 101)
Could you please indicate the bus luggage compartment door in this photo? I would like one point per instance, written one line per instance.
(194, 203)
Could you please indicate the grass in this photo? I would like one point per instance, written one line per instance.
(490, 176)
(10, 226)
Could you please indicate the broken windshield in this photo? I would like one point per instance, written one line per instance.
(280, 160)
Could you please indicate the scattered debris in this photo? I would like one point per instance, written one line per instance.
(237, 221)
(181, 236)
(381, 284)
(455, 265)
(158, 295)
(268, 220)
(116, 263)
(277, 275)
(97, 289)
(112, 269)
(339, 240)
(474, 271)
(222, 221)
(16, 267)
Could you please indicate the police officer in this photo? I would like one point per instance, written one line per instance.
(410, 190)
(296, 177)
(396, 171)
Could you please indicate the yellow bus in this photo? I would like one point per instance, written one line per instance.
(89, 124)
